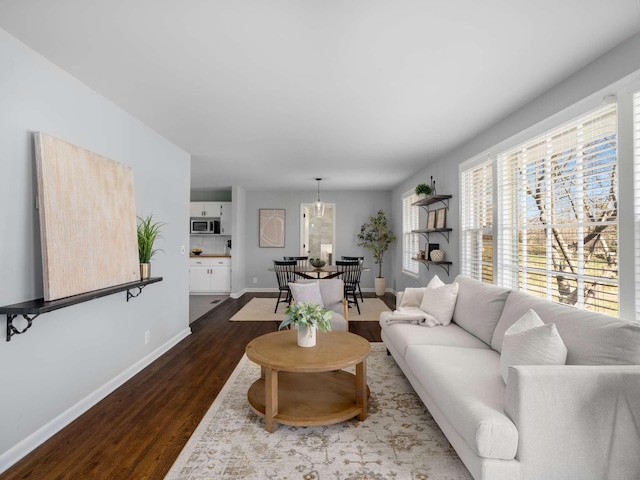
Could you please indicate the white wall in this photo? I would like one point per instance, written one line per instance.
(353, 208)
(72, 357)
(585, 89)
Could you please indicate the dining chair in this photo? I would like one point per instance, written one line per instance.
(350, 271)
(302, 261)
(361, 260)
(285, 272)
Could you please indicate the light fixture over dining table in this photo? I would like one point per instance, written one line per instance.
(318, 207)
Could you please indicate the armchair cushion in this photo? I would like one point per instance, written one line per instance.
(306, 293)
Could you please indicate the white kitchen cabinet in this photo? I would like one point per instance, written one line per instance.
(225, 218)
(210, 275)
(204, 209)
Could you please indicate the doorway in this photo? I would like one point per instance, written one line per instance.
(317, 234)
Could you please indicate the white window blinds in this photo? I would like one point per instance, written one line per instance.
(558, 225)
(476, 197)
(410, 241)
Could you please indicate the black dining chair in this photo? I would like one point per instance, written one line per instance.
(361, 260)
(350, 271)
(285, 272)
(302, 261)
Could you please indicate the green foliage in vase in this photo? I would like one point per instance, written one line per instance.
(376, 236)
(307, 315)
(423, 188)
(148, 232)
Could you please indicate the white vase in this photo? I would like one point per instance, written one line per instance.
(306, 336)
(380, 286)
(437, 255)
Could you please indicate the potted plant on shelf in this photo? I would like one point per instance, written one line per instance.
(307, 317)
(376, 236)
(423, 190)
(148, 232)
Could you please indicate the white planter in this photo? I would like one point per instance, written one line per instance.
(306, 336)
(380, 285)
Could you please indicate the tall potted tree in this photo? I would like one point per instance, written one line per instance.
(376, 236)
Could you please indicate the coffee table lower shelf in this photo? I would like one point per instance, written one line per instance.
(310, 399)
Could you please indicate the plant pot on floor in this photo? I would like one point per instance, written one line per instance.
(381, 286)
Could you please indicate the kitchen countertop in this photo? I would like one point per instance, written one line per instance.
(209, 255)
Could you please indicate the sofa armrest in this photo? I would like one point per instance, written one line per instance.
(398, 299)
(576, 421)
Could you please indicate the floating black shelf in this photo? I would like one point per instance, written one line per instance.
(36, 307)
(431, 199)
(443, 265)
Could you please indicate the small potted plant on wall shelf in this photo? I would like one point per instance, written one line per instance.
(423, 190)
(148, 232)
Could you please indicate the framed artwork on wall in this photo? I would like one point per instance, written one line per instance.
(431, 220)
(441, 218)
(271, 227)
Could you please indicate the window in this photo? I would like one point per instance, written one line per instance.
(558, 219)
(410, 241)
(476, 193)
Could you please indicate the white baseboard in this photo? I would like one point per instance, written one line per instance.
(25, 446)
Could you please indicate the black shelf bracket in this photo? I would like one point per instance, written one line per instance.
(32, 309)
(11, 328)
(442, 231)
(444, 265)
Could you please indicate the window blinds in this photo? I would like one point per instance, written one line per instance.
(476, 186)
(558, 226)
(636, 194)
(410, 241)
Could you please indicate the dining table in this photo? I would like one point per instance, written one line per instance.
(308, 271)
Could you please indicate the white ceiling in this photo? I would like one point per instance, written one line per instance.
(270, 93)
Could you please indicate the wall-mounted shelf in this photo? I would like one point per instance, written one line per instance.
(33, 308)
(443, 265)
(442, 231)
(431, 199)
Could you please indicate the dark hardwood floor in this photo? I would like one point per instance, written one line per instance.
(138, 431)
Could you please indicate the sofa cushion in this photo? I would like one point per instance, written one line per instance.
(479, 307)
(467, 387)
(412, 297)
(591, 338)
(439, 302)
(530, 341)
(401, 335)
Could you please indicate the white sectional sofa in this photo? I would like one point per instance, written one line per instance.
(575, 421)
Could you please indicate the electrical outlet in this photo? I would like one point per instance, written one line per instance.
(182, 250)
(147, 336)
(255, 279)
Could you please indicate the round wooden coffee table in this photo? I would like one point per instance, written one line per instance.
(306, 386)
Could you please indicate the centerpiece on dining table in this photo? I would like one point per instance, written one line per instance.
(317, 263)
(307, 318)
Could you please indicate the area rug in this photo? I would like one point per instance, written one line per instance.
(261, 310)
(398, 440)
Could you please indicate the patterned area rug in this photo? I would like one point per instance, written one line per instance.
(261, 310)
(398, 440)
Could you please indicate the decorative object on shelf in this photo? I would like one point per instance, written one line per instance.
(148, 233)
(376, 236)
(431, 247)
(318, 207)
(422, 255)
(423, 189)
(433, 186)
(196, 251)
(437, 256)
(431, 220)
(441, 218)
(307, 318)
(317, 263)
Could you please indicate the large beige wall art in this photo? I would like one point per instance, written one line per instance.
(87, 219)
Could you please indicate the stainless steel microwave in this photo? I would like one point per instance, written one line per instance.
(205, 226)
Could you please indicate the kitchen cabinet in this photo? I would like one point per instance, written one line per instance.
(210, 275)
(204, 209)
(225, 218)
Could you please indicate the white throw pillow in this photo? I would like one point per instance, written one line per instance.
(306, 292)
(530, 341)
(412, 297)
(439, 302)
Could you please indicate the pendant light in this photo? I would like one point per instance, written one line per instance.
(318, 207)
